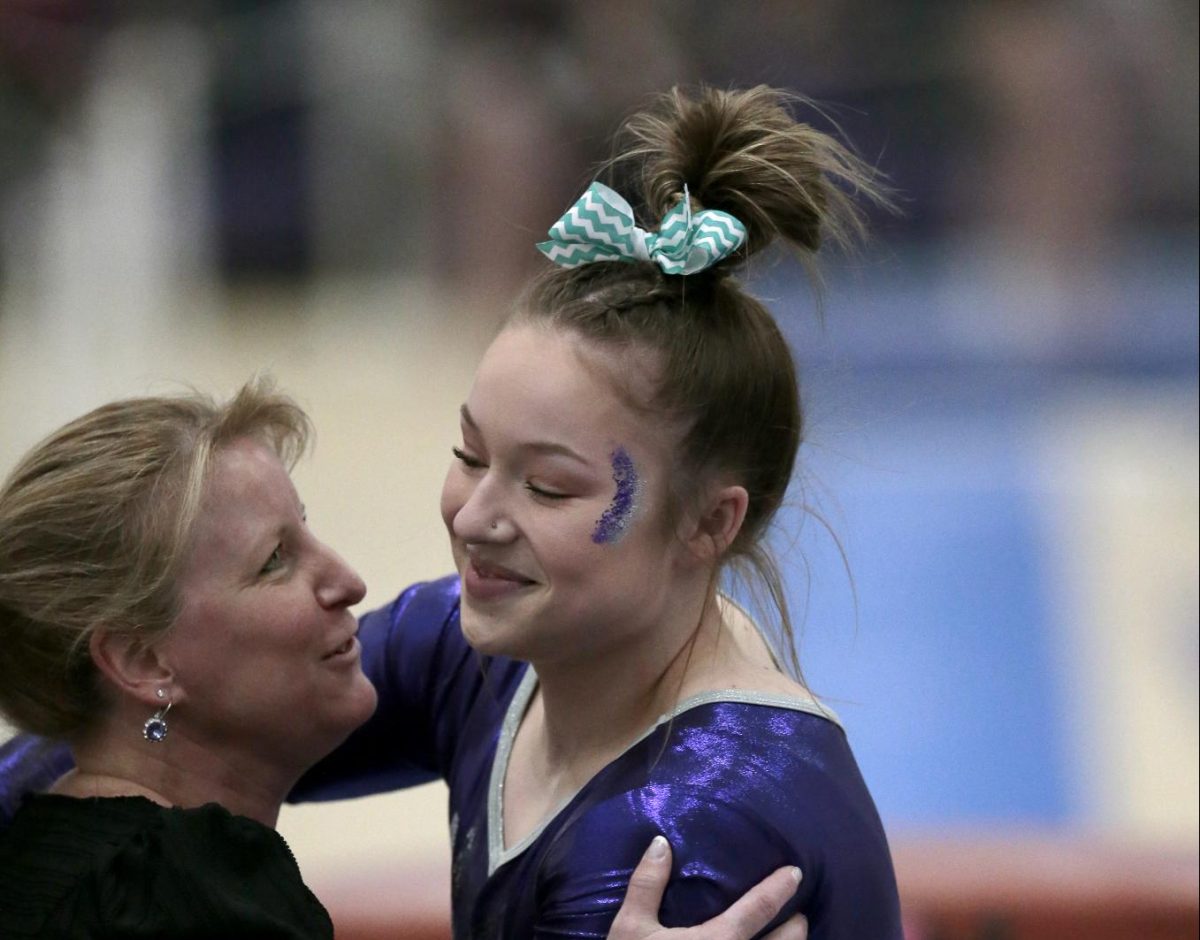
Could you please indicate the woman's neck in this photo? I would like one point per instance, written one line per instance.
(176, 772)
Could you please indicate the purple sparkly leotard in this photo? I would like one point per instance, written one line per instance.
(740, 784)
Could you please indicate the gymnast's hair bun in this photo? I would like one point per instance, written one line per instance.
(743, 152)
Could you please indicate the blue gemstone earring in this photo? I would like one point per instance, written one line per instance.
(155, 729)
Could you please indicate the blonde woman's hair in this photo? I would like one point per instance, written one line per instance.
(95, 527)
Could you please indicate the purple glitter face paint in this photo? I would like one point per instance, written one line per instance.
(611, 526)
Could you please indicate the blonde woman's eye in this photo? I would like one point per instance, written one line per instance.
(274, 562)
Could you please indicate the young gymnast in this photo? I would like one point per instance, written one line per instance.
(628, 439)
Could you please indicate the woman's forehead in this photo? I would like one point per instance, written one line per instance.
(247, 469)
(248, 491)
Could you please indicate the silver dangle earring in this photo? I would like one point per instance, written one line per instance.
(155, 729)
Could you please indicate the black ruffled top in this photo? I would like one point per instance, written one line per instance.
(126, 867)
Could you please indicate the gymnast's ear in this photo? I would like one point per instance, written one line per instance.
(133, 667)
(718, 522)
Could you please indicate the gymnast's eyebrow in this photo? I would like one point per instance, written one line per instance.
(548, 448)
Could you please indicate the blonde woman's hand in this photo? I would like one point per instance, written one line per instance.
(638, 917)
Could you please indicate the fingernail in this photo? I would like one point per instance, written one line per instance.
(796, 874)
(658, 847)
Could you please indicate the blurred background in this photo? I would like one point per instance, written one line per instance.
(1002, 388)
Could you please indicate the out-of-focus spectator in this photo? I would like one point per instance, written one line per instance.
(1082, 150)
(531, 91)
(46, 47)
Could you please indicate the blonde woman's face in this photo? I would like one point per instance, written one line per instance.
(264, 650)
(555, 503)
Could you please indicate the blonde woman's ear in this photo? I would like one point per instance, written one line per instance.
(131, 666)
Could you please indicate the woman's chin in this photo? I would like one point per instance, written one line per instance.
(368, 701)
(352, 713)
(356, 705)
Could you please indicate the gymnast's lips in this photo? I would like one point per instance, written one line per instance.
(486, 580)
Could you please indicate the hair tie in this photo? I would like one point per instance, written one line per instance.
(600, 227)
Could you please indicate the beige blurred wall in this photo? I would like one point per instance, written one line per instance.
(1121, 528)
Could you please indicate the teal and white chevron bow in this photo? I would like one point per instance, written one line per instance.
(600, 227)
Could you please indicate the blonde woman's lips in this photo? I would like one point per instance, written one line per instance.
(345, 651)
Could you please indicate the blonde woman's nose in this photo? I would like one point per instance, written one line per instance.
(340, 585)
